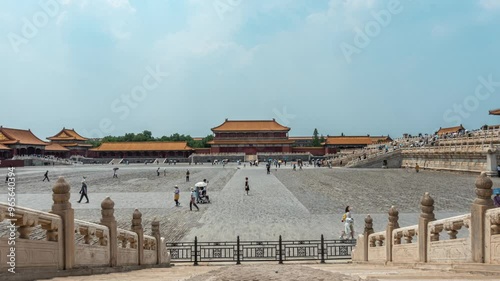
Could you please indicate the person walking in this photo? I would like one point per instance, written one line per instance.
(46, 176)
(165, 172)
(176, 196)
(187, 176)
(114, 173)
(417, 167)
(192, 201)
(158, 172)
(496, 199)
(83, 191)
(247, 186)
(348, 224)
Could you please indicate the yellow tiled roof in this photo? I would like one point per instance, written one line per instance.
(55, 147)
(252, 125)
(495, 111)
(143, 146)
(17, 136)
(455, 129)
(3, 147)
(349, 140)
(67, 134)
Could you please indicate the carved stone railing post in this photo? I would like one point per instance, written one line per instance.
(368, 230)
(393, 224)
(426, 216)
(491, 161)
(137, 228)
(62, 208)
(155, 232)
(108, 219)
(482, 203)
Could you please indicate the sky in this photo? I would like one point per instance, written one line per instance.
(110, 67)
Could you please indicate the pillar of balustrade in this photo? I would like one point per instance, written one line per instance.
(491, 161)
(481, 204)
(426, 216)
(108, 219)
(137, 228)
(62, 207)
(391, 225)
(368, 230)
(155, 232)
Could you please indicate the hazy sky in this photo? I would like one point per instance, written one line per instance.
(353, 66)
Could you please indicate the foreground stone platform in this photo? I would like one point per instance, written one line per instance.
(303, 272)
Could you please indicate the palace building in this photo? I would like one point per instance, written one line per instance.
(334, 144)
(450, 130)
(68, 142)
(157, 149)
(251, 137)
(20, 142)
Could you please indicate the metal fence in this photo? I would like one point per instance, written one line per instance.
(241, 251)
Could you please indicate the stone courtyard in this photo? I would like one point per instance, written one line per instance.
(300, 204)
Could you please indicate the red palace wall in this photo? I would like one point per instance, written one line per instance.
(316, 151)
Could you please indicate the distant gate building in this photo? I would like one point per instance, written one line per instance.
(251, 137)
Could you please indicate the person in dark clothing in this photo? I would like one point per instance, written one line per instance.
(187, 176)
(46, 176)
(158, 172)
(247, 186)
(83, 191)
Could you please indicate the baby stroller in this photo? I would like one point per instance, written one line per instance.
(202, 193)
(203, 198)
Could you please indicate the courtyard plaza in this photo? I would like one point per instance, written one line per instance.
(299, 205)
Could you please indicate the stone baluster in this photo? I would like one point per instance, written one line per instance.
(155, 232)
(491, 161)
(479, 207)
(393, 224)
(25, 225)
(108, 219)
(495, 224)
(426, 216)
(137, 228)
(408, 236)
(62, 207)
(368, 230)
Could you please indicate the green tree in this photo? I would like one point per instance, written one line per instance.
(316, 141)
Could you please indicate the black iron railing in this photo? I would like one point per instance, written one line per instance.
(241, 251)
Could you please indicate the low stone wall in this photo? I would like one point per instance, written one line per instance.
(264, 157)
(210, 158)
(453, 158)
(71, 244)
(438, 241)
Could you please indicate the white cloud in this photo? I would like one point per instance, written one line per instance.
(490, 4)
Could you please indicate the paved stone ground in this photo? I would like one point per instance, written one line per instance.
(300, 204)
(293, 272)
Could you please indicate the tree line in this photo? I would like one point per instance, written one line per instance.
(148, 136)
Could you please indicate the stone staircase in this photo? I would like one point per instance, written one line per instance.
(116, 161)
(160, 160)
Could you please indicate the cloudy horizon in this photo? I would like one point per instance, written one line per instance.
(110, 67)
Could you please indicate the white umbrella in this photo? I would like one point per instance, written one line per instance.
(200, 184)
